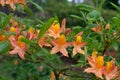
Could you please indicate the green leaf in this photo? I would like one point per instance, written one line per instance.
(116, 21)
(77, 17)
(37, 6)
(4, 46)
(27, 41)
(101, 4)
(6, 21)
(45, 27)
(115, 6)
(28, 10)
(115, 45)
(85, 7)
(93, 15)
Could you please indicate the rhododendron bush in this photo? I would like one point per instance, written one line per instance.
(33, 49)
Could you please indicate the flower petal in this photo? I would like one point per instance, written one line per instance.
(64, 51)
(13, 41)
(83, 44)
(74, 51)
(14, 51)
(91, 61)
(79, 50)
(98, 73)
(21, 54)
(54, 50)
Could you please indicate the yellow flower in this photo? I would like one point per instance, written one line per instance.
(55, 30)
(31, 30)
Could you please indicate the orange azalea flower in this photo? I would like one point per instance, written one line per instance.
(96, 63)
(78, 44)
(55, 30)
(31, 34)
(19, 47)
(42, 42)
(60, 45)
(2, 38)
(110, 70)
(11, 3)
(2, 2)
(96, 29)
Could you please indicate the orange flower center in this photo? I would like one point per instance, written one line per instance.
(20, 43)
(55, 27)
(99, 62)
(109, 66)
(2, 38)
(78, 40)
(12, 29)
(61, 40)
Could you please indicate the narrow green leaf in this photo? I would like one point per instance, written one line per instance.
(116, 21)
(77, 17)
(56, 18)
(115, 6)
(85, 7)
(37, 6)
(6, 21)
(101, 4)
(45, 27)
(27, 41)
(4, 46)
(28, 10)
(115, 45)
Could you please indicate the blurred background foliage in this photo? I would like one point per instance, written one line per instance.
(65, 8)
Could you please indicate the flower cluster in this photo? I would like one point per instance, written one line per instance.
(12, 3)
(110, 71)
(54, 38)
